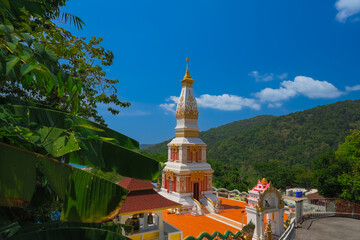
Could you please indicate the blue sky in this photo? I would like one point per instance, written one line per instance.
(248, 57)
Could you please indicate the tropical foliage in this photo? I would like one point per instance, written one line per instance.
(41, 195)
(37, 143)
(338, 173)
(42, 62)
(349, 152)
(327, 168)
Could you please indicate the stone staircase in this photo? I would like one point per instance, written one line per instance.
(197, 208)
(204, 209)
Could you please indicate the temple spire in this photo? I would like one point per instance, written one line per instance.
(187, 80)
(187, 74)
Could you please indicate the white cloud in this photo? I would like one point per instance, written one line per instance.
(312, 88)
(226, 102)
(301, 85)
(267, 77)
(170, 107)
(274, 98)
(275, 105)
(353, 88)
(282, 76)
(346, 9)
(275, 95)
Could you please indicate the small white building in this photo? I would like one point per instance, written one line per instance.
(264, 199)
(143, 210)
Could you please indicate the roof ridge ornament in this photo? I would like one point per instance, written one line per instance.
(187, 80)
(187, 74)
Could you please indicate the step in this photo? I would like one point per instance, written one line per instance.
(225, 220)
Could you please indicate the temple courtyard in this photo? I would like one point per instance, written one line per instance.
(232, 217)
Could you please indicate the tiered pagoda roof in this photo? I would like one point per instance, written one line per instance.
(143, 198)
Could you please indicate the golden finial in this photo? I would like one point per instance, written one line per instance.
(264, 181)
(187, 74)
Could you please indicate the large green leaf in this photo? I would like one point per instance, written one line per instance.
(57, 141)
(9, 229)
(60, 134)
(42, 115)
(87, 198)
(17, 176)
(111, 156)
(70, 233)
(11, 61)
(109, 226)
(16, 125)
(130, 163)
(91, 199)
(57, 175)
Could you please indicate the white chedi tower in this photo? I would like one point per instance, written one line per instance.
(187, 177)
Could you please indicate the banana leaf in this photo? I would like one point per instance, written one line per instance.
(69, 233)
(87, 198)
(91, 199)
(109, 226)
(17, 176)
(129, 163)
(57, 174)
(46, 116)
(16, 126)
(79, 140)
(9, 230)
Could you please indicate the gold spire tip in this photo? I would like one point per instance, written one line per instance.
(187, 74)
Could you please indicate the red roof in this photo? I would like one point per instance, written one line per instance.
(133, 184)
(314, 196)
(146, 201)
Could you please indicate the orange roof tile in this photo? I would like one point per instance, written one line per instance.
(314, 196)
(133, 184)
(145, 201)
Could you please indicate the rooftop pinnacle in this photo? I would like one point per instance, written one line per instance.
(187, 74)
(187, 77)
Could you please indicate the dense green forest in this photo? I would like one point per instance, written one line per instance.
(281, 149)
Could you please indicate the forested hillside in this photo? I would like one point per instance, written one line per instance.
(275, 145)
(294, 138)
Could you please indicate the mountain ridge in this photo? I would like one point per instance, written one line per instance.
(294, 138)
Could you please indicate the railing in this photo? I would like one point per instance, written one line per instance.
(289, 204)
(210, 207)
(228, 235)
(199, 210)
(313, 215)
(229, 193)
(211, 201)
(290, 232)
(197, 202)
(327, 207)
